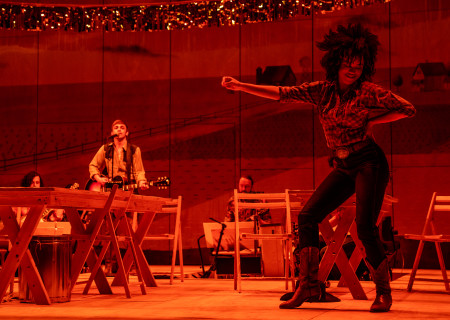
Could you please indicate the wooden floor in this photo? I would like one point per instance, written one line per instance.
(215, 299)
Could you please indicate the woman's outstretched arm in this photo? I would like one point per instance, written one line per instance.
(270, 92)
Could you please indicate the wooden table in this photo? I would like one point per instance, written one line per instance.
(101, 204)
(334, 230)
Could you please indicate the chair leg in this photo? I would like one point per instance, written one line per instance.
(291, 262)
(415, 266)
(177, 244)
(180, 257)
(174, 258)
(286, 264)
(237, 267)
(442, 264)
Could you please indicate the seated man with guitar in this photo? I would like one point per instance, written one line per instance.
(262, 215)
(117, 162)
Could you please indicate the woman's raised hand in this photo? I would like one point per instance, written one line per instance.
(265, 91)
(230, 83)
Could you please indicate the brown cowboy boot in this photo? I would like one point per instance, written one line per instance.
(380, 276)
(309, 287)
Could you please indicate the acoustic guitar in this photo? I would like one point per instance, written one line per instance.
(92, 185)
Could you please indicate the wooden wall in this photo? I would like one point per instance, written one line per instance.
(62, 90)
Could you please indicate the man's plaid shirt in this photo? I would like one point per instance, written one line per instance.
(344, 118)
(246, 214)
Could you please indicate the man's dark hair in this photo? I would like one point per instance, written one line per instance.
(349, 43)
(28, 179)
(248, 178)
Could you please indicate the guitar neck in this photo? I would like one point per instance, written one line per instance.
(160, 183)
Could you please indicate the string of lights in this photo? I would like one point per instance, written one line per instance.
(165, 16)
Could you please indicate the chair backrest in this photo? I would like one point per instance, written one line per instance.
(280, 200)
(298, 199)
(171, 205)
(257, 201)
(440, 204)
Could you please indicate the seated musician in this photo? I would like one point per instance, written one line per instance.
(262, 215)
(34, 180)
(118, 159)
(31, 180)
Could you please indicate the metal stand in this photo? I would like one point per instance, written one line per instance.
(212, 268)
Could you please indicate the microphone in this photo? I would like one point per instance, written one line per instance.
(223, 224)
(112, 137)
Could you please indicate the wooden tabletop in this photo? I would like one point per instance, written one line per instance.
(80, 199)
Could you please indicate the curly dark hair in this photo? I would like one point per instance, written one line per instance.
(28, 179)
(347, 44)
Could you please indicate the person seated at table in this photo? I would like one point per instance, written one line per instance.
(262, 215)
(31, 180)
(34, 180)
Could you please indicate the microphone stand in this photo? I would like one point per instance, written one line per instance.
(213, 267)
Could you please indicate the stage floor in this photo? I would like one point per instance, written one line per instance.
(215, 299)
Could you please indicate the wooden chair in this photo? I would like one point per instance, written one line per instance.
(172, 206)
(439, 204)
(264, 201)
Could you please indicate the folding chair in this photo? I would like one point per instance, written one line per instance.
(264, 201)
(172, 206)
(439, 204)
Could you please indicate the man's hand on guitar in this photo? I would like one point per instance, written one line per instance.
(100, 179)
(143, 185)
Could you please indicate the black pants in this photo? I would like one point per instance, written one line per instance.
(365, 172)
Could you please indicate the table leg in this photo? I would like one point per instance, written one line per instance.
(20, 255)
(334, 254)
(95, 269)
(115, 243)
(128, 233)
(357, 255)
(85, 253)
(138, 238)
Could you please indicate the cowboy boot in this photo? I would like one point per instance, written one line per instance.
(324, 295)
(380, 276)
(309, 285)
(289, 295)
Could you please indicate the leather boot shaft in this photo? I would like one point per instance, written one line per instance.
(309, 285)
(380, 276)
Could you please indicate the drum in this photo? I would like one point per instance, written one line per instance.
(52, 255)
